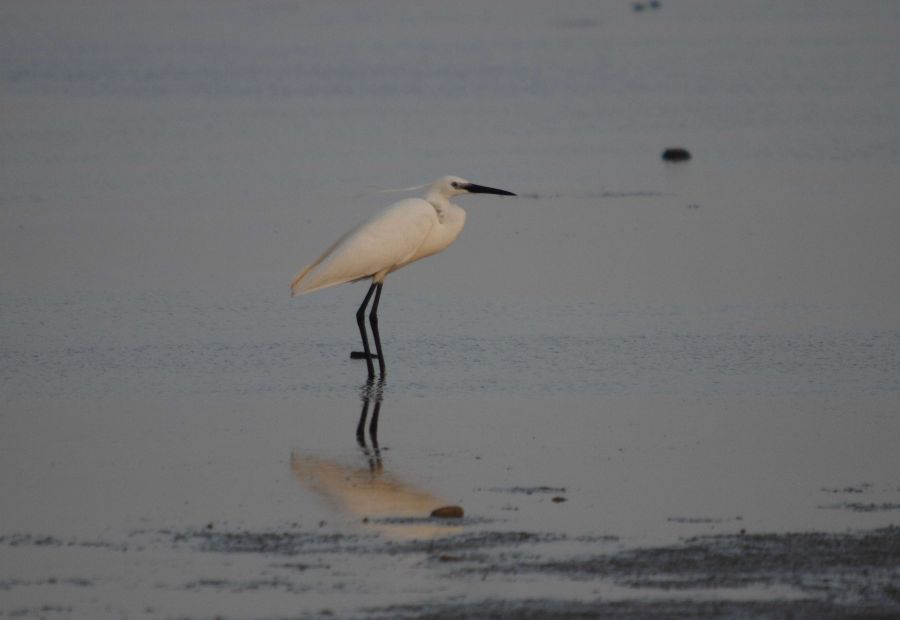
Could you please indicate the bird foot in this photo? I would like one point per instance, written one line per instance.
(361, 355)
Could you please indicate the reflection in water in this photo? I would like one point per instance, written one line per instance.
(371, 391)
(381, 500)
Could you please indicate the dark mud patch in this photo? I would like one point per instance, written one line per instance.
(528, 490)
(39, 540)
(860, 488)
(542, 609)
(302, 567)
(249, 585)
(295, 543)
(77, 582)
(476, 541)
(863, 507)
(272, 543)
(703, 520)
(794, 575)
(42, 611)
(597, 538)
(860, 568)
(852, 575)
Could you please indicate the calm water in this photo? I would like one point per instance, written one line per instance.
(152, 346)
(220, 146)
(685, 349)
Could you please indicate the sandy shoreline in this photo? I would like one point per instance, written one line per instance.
(267, 509)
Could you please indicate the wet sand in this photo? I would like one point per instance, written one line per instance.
(255, 509)
(301, 574)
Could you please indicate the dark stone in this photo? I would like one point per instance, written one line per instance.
(676, 153)
(448, 512)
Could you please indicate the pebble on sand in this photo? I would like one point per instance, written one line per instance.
(448, 512)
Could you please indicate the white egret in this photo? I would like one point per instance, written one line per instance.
(393, 238)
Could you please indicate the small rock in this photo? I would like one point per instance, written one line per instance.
(449, 558)
(558, 499)
(448, 512)
(676, 153)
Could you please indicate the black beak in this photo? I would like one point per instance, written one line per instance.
(481, 189)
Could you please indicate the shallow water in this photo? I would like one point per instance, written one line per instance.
(628, 356)
(264, 346)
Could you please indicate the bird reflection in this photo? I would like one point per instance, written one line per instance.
(381, 500)
(371, 393)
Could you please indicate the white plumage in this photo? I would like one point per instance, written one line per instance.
(382, 244)
(400, 234)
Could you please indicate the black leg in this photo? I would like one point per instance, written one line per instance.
(373, 320)
(361, 321)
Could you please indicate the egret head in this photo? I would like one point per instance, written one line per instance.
(451, 186)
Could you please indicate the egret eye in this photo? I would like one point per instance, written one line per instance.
(455, 184)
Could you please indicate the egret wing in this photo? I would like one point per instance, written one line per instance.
(373, 248)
